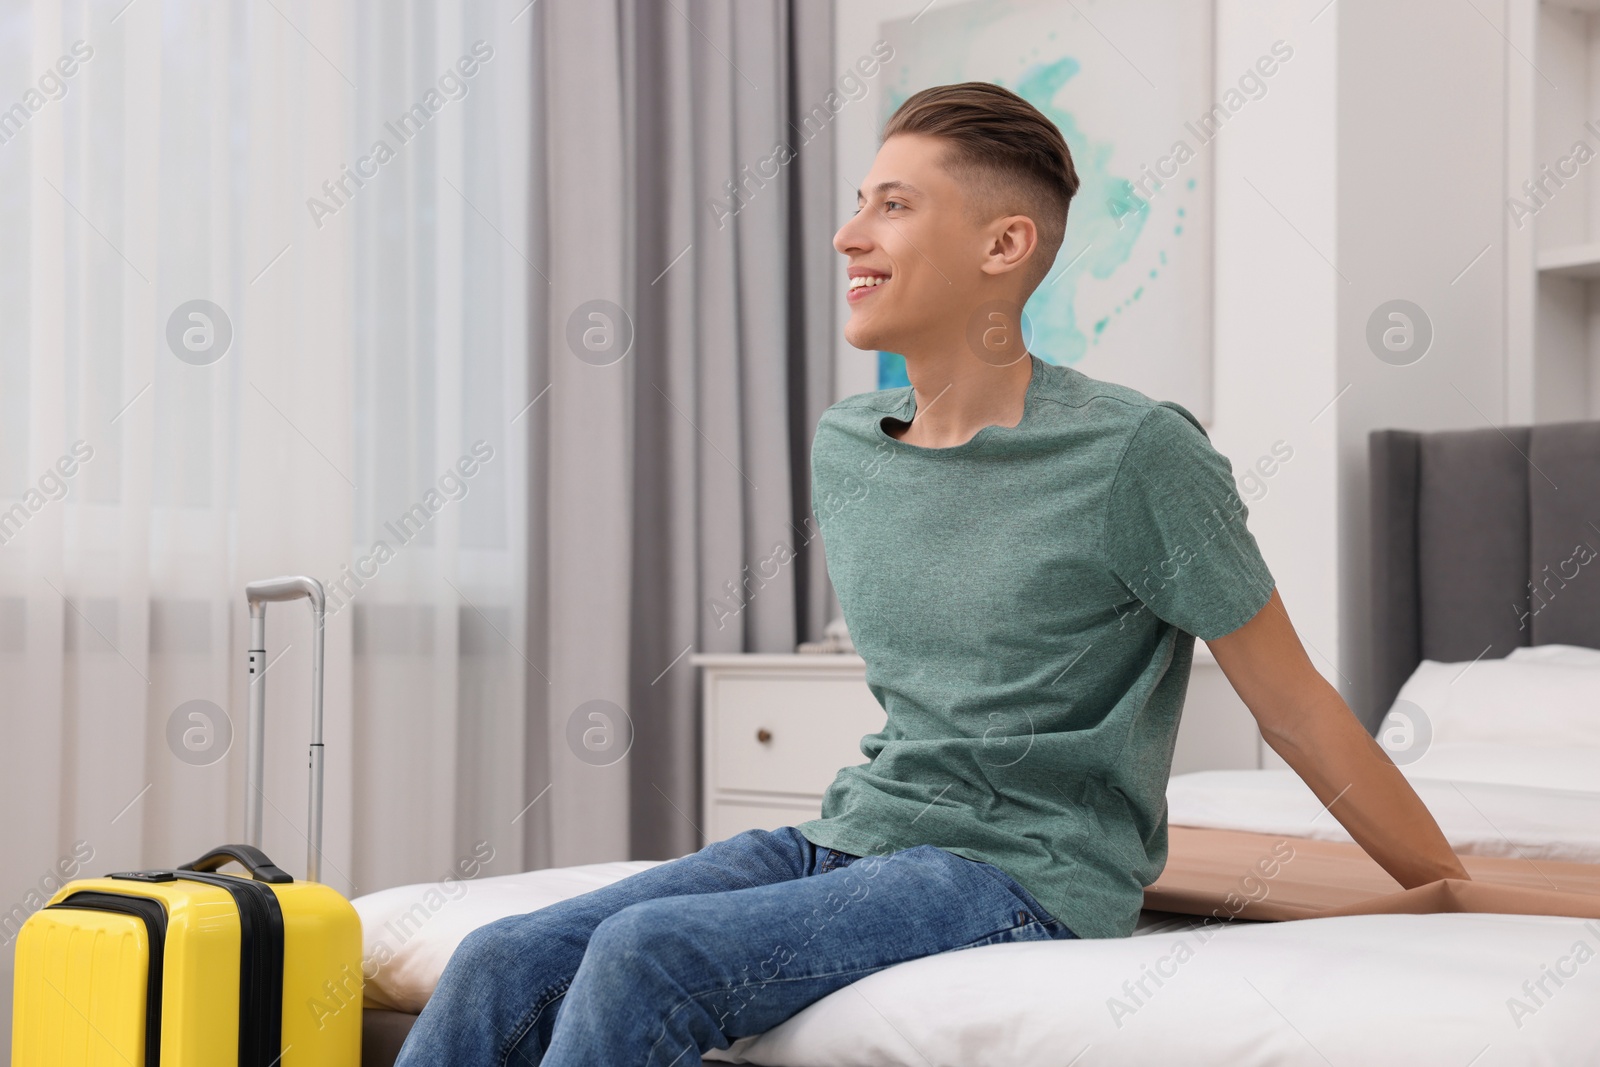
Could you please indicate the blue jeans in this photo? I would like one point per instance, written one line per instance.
(726, 942)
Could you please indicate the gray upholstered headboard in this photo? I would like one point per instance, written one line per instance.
(1482, 540)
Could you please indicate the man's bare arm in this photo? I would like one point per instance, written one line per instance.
(1306, 722)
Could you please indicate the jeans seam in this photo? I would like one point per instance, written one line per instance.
(1017, 890)
(1032, 921)
(551, 995)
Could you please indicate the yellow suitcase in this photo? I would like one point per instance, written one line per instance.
(192, 967)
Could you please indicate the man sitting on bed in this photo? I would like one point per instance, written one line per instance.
(1024, 556)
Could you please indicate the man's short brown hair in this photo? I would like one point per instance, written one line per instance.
(1013, 160)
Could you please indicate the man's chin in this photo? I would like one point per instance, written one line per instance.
(869, 340)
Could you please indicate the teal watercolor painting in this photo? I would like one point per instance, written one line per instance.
(1128, 297)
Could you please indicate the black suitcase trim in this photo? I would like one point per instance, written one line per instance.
(260, 966)
(261, 946)
(155, 924)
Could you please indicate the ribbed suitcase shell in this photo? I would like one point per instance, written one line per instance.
(81, 979)
(80, 990)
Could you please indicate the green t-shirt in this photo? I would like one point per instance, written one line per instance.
(1027, 603)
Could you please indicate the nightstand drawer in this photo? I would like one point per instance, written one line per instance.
(788, 736)
(729, 817)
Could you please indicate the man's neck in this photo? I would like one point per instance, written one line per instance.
(958, 395)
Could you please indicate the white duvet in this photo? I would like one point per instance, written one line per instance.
(1479, 990)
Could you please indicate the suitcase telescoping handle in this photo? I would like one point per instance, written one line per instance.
(259, 594)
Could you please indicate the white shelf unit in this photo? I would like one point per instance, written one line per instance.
(1553, 210)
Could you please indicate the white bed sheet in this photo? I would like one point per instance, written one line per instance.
(1364, 990)
(1385, 989)
(1381, 989)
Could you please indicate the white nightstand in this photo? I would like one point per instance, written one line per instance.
(776, 729)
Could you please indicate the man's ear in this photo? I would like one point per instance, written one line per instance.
(1012, 240)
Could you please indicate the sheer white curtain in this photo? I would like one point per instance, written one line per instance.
(362, 424)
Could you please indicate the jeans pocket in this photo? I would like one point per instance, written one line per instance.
(1032, 911)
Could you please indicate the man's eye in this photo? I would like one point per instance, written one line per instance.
(886, 206)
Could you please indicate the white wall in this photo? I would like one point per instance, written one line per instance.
(1275, 293)
(1421, 193)
(855, 143)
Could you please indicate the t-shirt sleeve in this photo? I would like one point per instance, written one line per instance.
(1175, 531)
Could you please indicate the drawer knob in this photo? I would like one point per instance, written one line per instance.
(763, 735)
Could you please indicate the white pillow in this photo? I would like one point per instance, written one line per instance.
(1567, 655)
(1495, 701)
(409, 932)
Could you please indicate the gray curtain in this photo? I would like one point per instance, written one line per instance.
(670, 487)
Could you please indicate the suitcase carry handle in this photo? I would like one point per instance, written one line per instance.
(249, 857)
(259, 594)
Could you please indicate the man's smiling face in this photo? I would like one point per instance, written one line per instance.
(913, 232)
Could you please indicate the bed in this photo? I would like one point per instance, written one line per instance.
(1486, 687)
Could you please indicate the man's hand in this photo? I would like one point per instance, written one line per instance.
(1306, 722)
